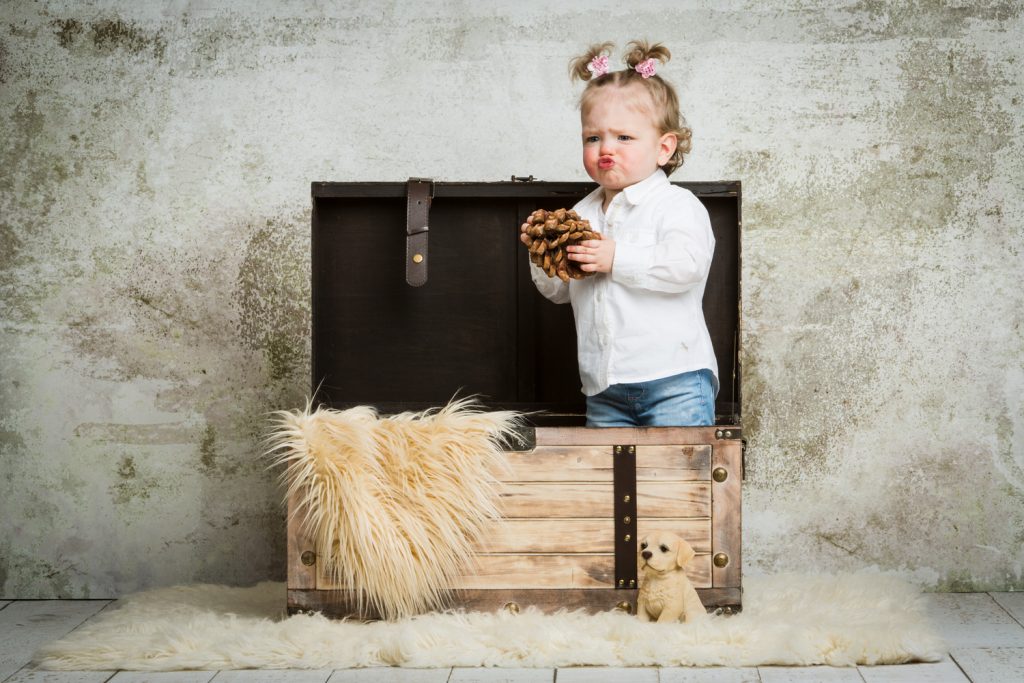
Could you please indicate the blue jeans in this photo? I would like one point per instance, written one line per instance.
(686, 400)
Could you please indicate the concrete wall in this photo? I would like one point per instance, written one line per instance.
(154, 218)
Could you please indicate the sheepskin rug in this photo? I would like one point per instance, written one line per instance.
(787, 620)
(393, 503)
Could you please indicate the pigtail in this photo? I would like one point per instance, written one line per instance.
(640, 51)
(579, 67)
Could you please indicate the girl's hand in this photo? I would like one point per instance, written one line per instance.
(594, 256)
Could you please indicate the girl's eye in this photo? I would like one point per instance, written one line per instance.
(590, 138)
(643, 546)
(663, 548)
(625, 137)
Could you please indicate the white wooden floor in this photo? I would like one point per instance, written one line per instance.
(984, 632)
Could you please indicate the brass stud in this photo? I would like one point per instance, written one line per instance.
(719, 474)
(632, 583)
(718, 434)
(511, 607)
(728, 434)
(625, 606)
(632, 450)
(618, 450)
(628, 538)
(721, 560)
(622, 583)
(626, 498)
(308, 558)
(417, 258)
(627, 519)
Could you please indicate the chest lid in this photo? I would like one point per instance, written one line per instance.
(406, 334)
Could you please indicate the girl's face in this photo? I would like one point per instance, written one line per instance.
(621, 145)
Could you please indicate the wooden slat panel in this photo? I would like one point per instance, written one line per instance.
(583, 535)
(673, 463)
(563, 538)
(561, 571)
(338, 604)
(559, 463)
(299, 575)
(726, 513)
(593, 499)
(673, 500)
(574, 436)
(551, 571)
(594, 463)
(550, 483)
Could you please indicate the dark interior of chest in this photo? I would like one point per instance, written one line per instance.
(478, 326)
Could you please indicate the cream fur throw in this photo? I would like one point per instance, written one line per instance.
(788, 620)
(394, 503)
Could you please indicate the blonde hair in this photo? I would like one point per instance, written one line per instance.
(667, 116)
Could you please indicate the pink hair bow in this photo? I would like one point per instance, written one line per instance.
(646, 68)
(598, 65)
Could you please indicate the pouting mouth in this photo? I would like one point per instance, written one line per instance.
(605, 162)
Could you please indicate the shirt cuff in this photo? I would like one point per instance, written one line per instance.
(631, 264)
(550, 288)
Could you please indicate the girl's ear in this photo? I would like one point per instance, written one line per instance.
(684, 554)
(666, 147)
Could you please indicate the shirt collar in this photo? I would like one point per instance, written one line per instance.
(637, 192)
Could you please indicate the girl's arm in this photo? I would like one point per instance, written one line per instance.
(551, 287)
(679, 259)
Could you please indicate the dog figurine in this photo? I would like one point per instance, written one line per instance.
(666, 594)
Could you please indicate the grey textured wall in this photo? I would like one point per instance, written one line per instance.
(156, 160)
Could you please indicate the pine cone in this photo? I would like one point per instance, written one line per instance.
(550, 233)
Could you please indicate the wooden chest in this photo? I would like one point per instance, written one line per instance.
(471, 322)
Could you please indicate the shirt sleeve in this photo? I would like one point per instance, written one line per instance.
(680, 257)
(551, 287)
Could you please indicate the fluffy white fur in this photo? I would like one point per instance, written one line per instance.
(394, 503)
(787, 620)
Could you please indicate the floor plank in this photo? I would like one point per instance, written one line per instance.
(492, 675)
(972, 620)
(25, 625)
(809, 674)
(1012, 603)
(390, 675)
(945, 671)
(991, 664)
(709, 675)
(273, 676)
(607, 674)
(163, 677)
(36, 676)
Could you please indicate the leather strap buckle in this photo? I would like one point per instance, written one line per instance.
(419, 193)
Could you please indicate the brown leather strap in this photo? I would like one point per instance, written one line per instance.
(624, 478)
(417, 220)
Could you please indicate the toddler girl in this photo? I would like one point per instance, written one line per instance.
(645, 355)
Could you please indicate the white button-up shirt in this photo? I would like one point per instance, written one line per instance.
(643, 320)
